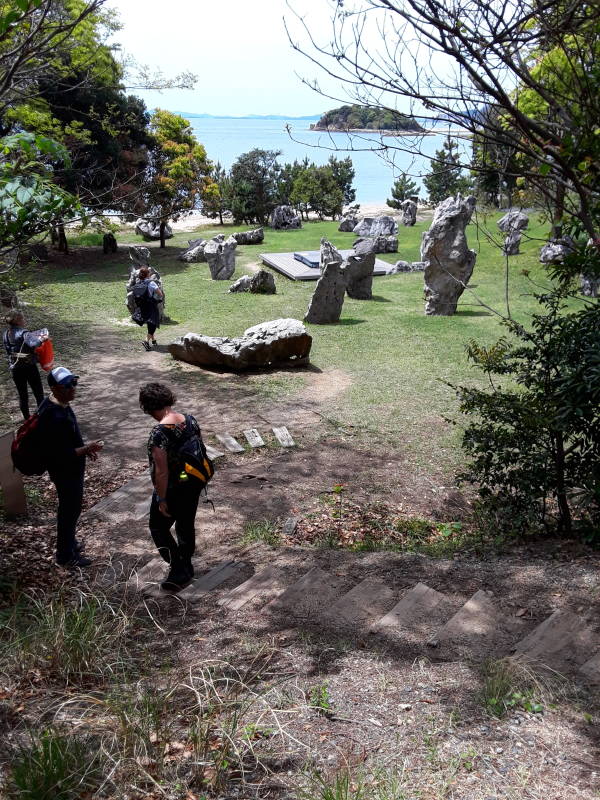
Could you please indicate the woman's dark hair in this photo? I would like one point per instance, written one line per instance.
(143, 273)
(12, 318)
(154, 396)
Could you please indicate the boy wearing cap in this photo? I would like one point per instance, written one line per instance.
(66, 453)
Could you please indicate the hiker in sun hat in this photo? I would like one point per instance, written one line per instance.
(66, 453)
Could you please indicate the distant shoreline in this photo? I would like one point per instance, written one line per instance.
(387, 132)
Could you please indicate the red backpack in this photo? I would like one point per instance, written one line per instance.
(27, 450)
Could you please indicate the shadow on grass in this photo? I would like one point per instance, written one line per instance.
(379, 299)
(461, 311)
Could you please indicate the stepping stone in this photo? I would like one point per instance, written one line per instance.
(212, 453)
(210, 580)
(283, 437)
(267, 581)
(254, 438)
(563, 635)
(230, 443)
(289, 526)
(363, 603)
(307, 597)
(477, 619)
(416, 605)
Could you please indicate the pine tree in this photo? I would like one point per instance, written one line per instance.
(403, 188)
(446, 178)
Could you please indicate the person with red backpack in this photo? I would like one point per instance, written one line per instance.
(20, 345)
(65, 454)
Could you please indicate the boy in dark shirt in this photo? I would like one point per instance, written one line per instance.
(66, 453)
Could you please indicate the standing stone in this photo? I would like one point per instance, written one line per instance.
(348, 223)
(376, 226)
(139, 256)
(262, 282)
(329, 254)
(221, 258)
(449, 262)
(195, 253)
(284, 218)
(513, 221)
(409, 212)
(256, 236)
(328, 298)
(511, 243)
(109, 243)
(359, 271)
(590, 286)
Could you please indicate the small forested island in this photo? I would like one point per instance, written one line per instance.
(363, 118)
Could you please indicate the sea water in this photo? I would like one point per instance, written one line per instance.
(377, 159)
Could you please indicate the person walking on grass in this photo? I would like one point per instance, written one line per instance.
(66, 453)
(176, 489)
(20, 345)
(148, 294)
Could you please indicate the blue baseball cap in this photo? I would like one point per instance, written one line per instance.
(61, 376)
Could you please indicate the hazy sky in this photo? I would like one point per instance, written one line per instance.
(238, 49)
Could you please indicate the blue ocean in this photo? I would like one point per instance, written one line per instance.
(375, 165)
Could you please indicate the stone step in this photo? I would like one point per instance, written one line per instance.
(364, 603)
(204, 584)
(307, 597)
(268, 581)
(563, 639)
(420, 608)
(230, 443)
(475, 623)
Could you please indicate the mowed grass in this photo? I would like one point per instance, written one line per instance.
(397, 359)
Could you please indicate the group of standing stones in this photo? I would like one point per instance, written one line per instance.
(219, 252)
(340, 276)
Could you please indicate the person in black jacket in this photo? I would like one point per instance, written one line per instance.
(22, 360)
(66, 454)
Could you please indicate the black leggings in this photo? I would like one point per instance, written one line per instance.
(27, 375)
(182, 502)
(151, 328)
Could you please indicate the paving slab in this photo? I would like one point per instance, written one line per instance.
(230, 443)
(268, 581)
(365, 602)
(210, 580)
(415, 606)
(306, 598)
(254, 438)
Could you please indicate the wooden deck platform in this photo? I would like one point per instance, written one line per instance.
(297, 271)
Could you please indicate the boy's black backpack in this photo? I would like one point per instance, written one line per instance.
(27, 450)
(191, 458)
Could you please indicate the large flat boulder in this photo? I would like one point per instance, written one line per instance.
(280, 341)
(376, 226)
(256, 236)
(449, 262)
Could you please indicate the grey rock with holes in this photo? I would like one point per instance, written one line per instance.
(449, 261)
(554, 251)
(241, 285)
(590, 286)
(513, 220)
(280, 341)
(376, 226)
(220, 256)
(512, 243)
(329, 254)
(263, 282)
(409, 212)
(384, 244)
(149, 230)
(255, 236)
(407, 266)
(195, 253)
(359, 270)
(139, 256)
(328, 298)
(284, 218)
(348, 223)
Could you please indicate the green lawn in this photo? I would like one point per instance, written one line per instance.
(396, 357)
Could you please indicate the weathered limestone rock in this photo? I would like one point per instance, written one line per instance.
(329, 254)
(376, 226)
(150, 230)
(382, 244)
(409, 212)
(284, 218)
(109, 243)
(407, 266)
(348, 223)
(221, 257)
(359, 270)
(590, 287)
(513, 221)
(279, 341)
(139, 256)
(241, 285)
(449, 261)
(195, 253)
(326, 303)
(554, 251)
(256, 236)
(262, 282)
(511, 243)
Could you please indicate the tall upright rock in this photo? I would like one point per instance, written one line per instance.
(448, 261)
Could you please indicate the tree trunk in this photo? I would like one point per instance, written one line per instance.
(163, 225)
(220, 216)
(565, 523)
(63, 245)
(558, 212)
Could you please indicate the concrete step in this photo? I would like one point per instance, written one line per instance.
(204, 584)
(363, 604)
(268, 581)
(562, 641)
(420, 611)
(307, 597)
(473, 627)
